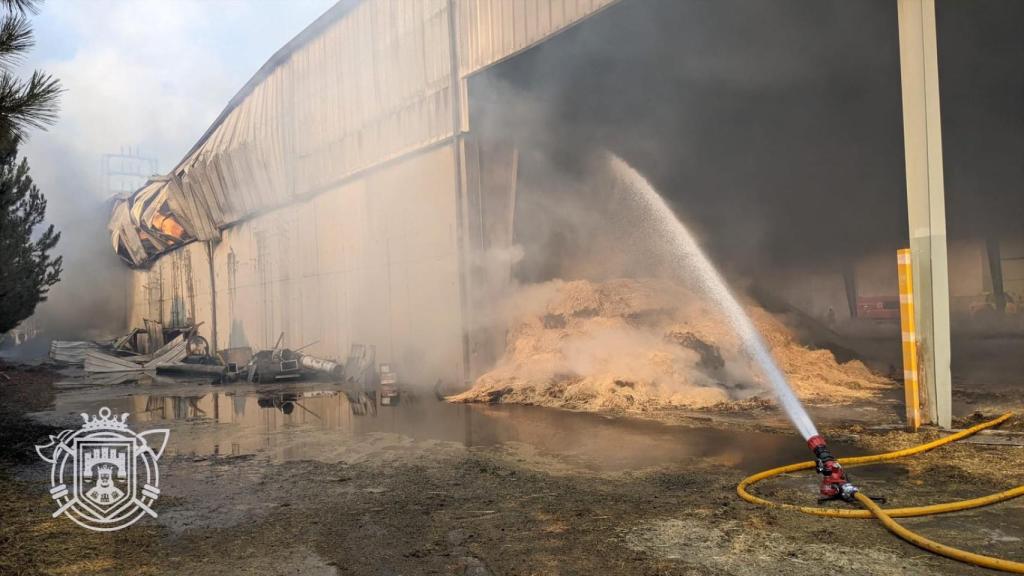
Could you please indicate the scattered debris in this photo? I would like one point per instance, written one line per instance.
(185, 369)
(96, 361)
(360, 368)
(130, 353)
(236, 360)
(173, 351)
(389, 395)
(319, 365)
(273, 366)
(280, 364)
(71, 352)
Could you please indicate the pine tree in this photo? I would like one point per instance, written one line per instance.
(24, 104)
(27, 270)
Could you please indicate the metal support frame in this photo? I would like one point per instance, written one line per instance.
(926, 207)
(461, 200)
(213, 298)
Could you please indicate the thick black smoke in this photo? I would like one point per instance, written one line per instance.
(775, 128)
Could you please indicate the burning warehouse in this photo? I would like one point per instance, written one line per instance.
(390, 172)
(428, 240)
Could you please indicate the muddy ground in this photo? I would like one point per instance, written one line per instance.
(425, 489)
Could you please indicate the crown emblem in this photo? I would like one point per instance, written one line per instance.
(104, 476)
(103, 421)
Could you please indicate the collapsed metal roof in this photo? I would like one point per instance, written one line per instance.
(161, 215)
(366, 83)
(148, 223)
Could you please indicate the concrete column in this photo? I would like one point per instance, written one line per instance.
(926, 205)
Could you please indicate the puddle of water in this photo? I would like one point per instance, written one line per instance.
(309, 421)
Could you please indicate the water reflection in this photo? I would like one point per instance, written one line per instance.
(327, 409)
(314, 421)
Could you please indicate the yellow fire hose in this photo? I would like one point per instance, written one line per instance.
(886, 515)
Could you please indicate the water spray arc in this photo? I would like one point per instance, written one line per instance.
(691, 262)
(834, 484)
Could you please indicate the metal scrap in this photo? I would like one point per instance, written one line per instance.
(173, 351)
(71, 352)
(279, 364)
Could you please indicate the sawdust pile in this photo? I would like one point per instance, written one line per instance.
(647, 344)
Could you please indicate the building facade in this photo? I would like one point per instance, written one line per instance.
(331, 201)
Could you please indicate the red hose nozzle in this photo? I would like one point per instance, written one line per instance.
(834, 483)
(815, 442)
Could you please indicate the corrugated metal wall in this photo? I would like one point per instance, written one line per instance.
(490, 30)
(372, 261)
(331, 201)
(371, 87)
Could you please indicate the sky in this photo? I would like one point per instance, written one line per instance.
(150, 74)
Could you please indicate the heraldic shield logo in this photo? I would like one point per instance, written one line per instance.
(104, 475)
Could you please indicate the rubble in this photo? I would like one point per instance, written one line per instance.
(188, 369)
(71, 352)
(173, 351)
(128, 353)
(320, 365)
(279, 364)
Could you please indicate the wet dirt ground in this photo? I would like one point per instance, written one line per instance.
(320, 479)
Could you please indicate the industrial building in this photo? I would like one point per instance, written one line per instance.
(359, 186)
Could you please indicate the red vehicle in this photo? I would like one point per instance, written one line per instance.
(878, 307)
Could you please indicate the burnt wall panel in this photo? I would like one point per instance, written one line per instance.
(175, 290)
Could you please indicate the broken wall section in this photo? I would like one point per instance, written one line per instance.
(175, 290)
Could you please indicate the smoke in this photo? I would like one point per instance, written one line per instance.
(776, 127)
(146, 74)
(573, 222)
(691, 261)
